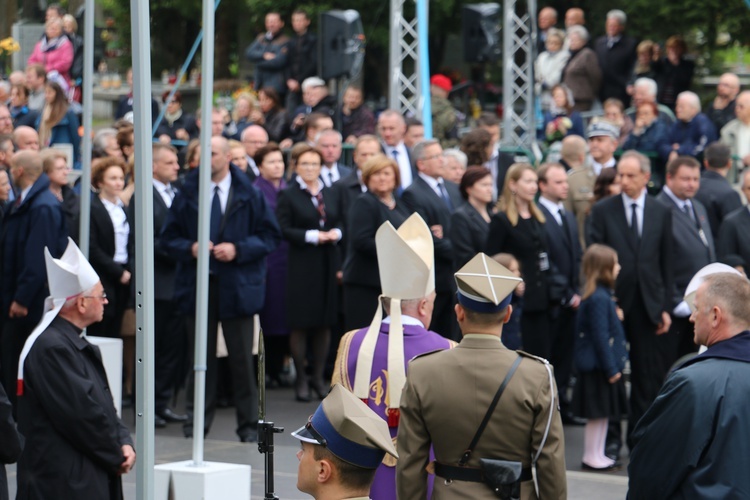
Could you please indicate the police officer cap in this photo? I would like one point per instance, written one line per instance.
(484, 285)
(349, 429)
(603, 128)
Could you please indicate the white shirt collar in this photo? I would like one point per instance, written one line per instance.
(405, 320)
(431, 181)
(680, 203)
(223, 184)
(640, 201)
(25, 192)
(554, 208)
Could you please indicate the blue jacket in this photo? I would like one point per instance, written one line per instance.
(37, 223)
(692, 441)
(652, 139)
(600, 339)
(693, 136)
(575, 119)
(66, 132)
(248, 223)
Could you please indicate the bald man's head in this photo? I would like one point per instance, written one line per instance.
(25, 167)
(574, 17)
(729, 86)
(573, 150)
(26, 138)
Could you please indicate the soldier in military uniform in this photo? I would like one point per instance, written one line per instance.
(602, 142)
(448, 393)
(371, 361)
(342, 443)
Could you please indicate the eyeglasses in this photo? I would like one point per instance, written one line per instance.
(101, 297)
(426, 158)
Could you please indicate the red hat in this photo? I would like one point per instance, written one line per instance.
(441, 81)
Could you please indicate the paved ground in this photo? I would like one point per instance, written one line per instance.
(223, 446)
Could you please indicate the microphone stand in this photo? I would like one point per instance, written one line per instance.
(266, 429)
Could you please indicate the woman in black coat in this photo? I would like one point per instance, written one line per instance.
(518, 229)
(470, 223)
(368, 212)
(273, 117)
(308, 223)
(108, 249)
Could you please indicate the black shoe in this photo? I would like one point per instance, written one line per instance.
(159, 422)
(612, 451)
(302, 390)
(570, 419)
(612, 468)
(170, 416)
(250, 436)
(319, 388)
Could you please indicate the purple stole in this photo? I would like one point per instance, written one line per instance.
(417, 341)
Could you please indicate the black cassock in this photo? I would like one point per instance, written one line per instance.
(74, 437)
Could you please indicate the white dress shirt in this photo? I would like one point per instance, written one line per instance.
(120, 224)
(330, 174)
(166, 191)
(433, 183)
(402, 158)
(640, 204)
(599, 166)
(554, 209)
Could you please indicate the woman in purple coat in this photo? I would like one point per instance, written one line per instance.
(270, 162)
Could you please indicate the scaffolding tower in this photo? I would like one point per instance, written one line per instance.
(404, 86)
(519, 48)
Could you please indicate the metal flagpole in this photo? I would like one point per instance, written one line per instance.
(88, 99)
(144, 249)
(204, 225)
(424, 105)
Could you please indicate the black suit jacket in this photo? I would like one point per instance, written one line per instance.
(564, 249)
(343, 194)
(468, 234)
(420, 198)
(165, 266)
(102, 244)
(504, 162)
(617, 66)
(734, 236)
(718, 197)
(693, 243)
(646, 266)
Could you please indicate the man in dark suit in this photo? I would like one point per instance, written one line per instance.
(253, 138)
(639, 228)
(329, 142)
(391, 129)
(34, 221)
(303, 58)
(715, 192)
(169, 327)
(243, 232)
(734, 235)
(565, 257)
(499, 161)
(616, 53)
(435, 200)
(692, 244)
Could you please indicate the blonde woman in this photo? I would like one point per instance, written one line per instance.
(518, 229)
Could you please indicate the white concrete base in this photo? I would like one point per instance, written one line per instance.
(210, 481)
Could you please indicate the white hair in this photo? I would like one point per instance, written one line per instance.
(692, 99)
(618, 15)
(458, 155)
(646, 83)
(579, 30)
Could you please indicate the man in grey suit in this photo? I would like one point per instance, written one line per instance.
(692, 244)
(435, 200)
(170, 340)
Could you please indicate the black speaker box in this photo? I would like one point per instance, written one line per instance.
(342, 44)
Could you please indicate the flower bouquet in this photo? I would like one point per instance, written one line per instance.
(558, 128)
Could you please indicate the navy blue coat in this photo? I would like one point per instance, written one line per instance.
(248, 223)
(693, 136)
(600, 338)
(692, 441)
(37, 223)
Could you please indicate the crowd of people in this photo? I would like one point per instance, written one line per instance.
(600, 246)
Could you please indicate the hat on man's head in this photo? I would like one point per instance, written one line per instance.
(312, 81)
(67, 277)
(701, 276)
(349, 429)
(603, 128)
(484, 285)
(406, 261)
(441, 81)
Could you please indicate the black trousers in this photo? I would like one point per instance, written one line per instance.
(561, 353)
(170, 345)
(535, 333)
(651, 357)
(238, 333)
